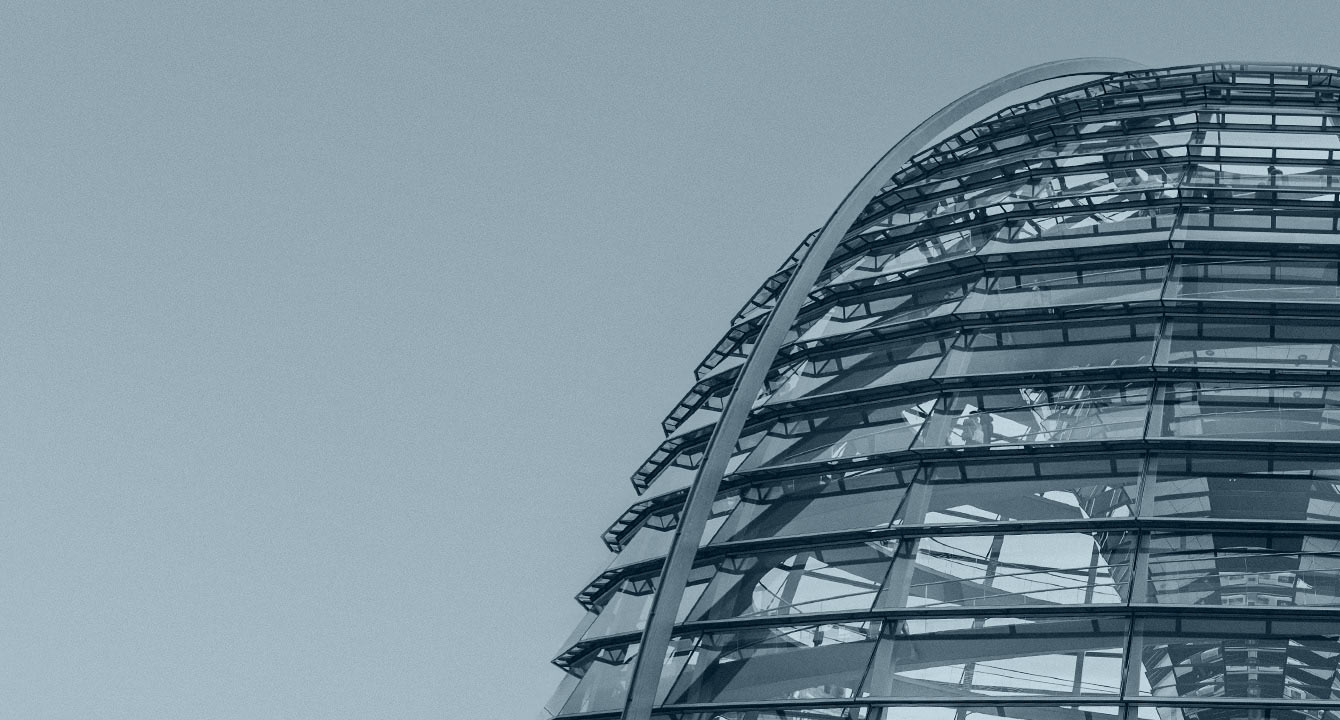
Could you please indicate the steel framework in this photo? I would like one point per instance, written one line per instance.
(1041, 424)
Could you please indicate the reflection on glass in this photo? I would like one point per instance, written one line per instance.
(1082, 229)
(867, 312)
(1264, 488)
(604, 680)
(1032, 490)
(916, 712)
(996, 165)
(651, 539)
(1220, 225)
(789, 582)
(1255, 412)
(1302, 281)
(974, 656)
(1077, 187)
(894, 259)
(777, 663)
(1275, 138)
(1059, 287)
(889, 364)
(623, 609)
(804, 713)
(1009, 570)
(1048, 347)
(1105, 185)
(846, 433)
(1064, 413)
(1264, 176)
(1223, 568)
(722, 508)
(560, 696)
(1293, 345)
(826, 502)
(1275, 659)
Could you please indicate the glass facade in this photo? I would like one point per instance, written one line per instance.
(1055, 435)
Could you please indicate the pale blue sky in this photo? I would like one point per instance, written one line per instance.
(332, 331)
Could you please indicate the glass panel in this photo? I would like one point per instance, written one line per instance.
(1257, 281)
(1259, 488)
(826, 502)
(789, 582)
(560, 696)
(891, 262)
(1133, 141)
(998, 166)
(577, 633)
(722, 508)
(1238, 658)
(604, 684)
(1239, 569)
(1104, 185)
(914, 712)
(1108, 181)
(1220, 712)
(1276, 139)
(1278, 413)
(1036, 348)
(605, 676)
(893, 309)
(1098, 184)
(1054, 287)
(1213, 225)
(846, 433)
(896, 362)
(744, 447)
(777, 663)
(699, 578)
(623, 609)
(1007, 570)
(650, 540)
(1254, 176)
(1066, 489)
(1240, 343)
(1064, 413)
(801, 713)
(961, 657)
(1087, 229)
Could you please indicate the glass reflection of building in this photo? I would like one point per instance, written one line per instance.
(1055, 435)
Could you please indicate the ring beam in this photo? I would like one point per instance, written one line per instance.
(711, 470)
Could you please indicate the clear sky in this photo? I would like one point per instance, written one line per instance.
(331, 332)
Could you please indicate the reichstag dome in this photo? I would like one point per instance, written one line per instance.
(1043, 424)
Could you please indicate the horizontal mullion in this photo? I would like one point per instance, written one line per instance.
(914, 531)
(1127, 610)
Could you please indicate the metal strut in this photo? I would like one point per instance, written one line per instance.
(693, 519)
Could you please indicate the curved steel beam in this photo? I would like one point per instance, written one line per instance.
(697, 508)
